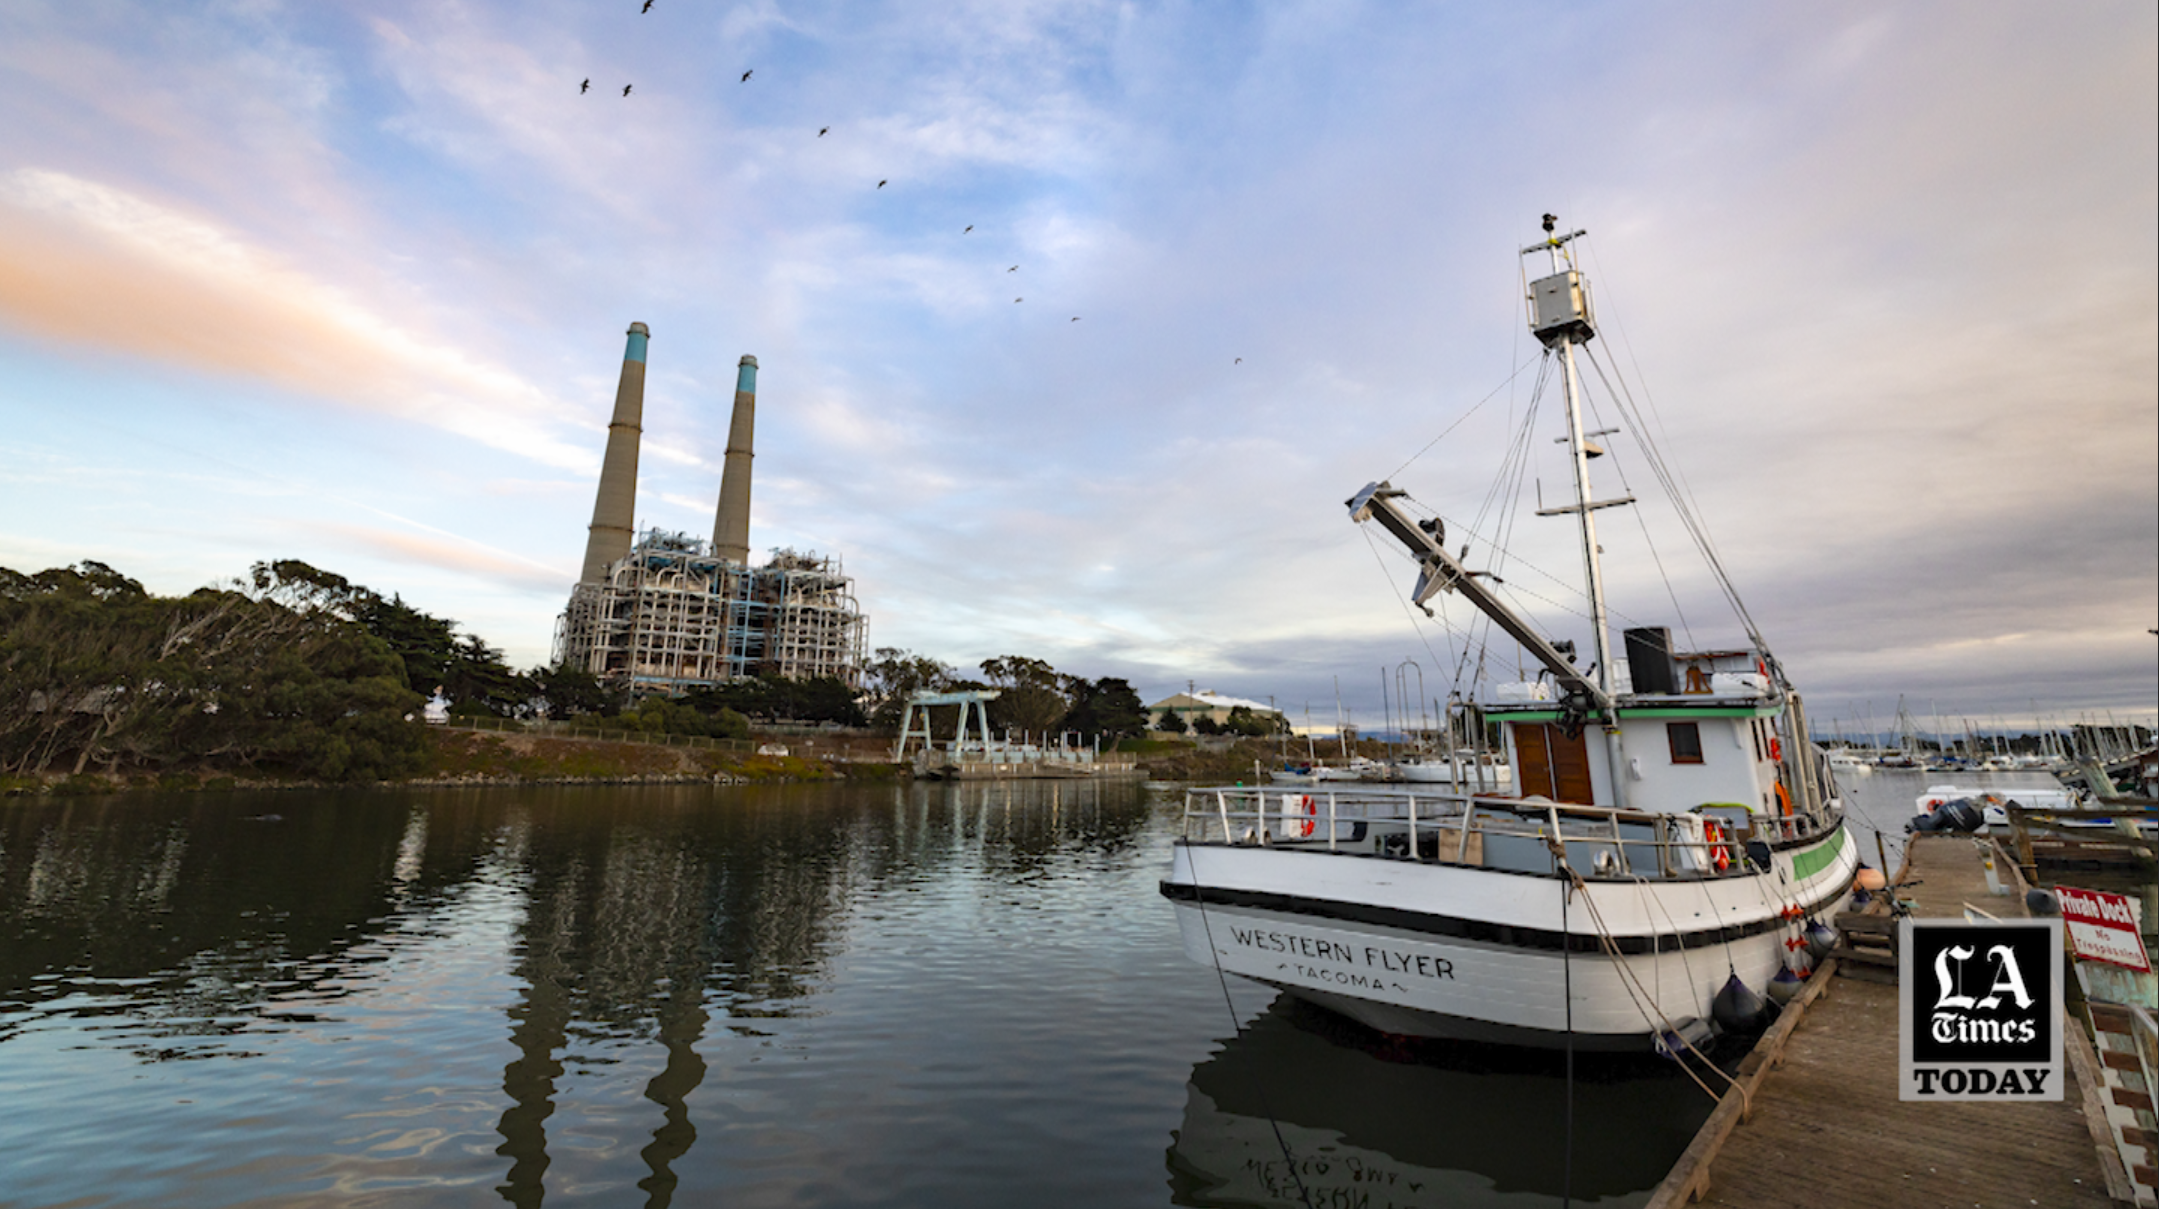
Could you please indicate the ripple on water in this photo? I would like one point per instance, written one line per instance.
(946, 995)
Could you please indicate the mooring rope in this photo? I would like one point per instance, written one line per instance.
(1630, 982)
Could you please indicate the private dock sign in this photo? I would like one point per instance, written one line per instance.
(2103, 927)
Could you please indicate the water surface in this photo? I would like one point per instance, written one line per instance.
(805, 995)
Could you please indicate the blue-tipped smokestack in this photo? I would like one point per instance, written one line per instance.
(731, 527)
(614, 511)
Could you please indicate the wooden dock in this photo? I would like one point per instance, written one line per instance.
(1817, 1122)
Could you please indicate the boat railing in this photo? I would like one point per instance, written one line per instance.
(1501, 833)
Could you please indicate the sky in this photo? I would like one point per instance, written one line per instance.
(349, 283)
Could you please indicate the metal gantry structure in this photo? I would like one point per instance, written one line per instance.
(672, 616)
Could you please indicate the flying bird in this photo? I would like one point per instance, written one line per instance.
(1013, 269)
(1075, 318)
(821, 131)
(625, 90)
(746, 75)
(1240, 361)
(1019, 300)
(586, 86)
(647, 8)
(880, 184)
(970, 227)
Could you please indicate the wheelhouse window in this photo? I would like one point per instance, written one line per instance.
(1686, 740)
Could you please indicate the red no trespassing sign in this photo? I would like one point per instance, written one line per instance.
(2103, 927)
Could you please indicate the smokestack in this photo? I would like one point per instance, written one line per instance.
(614, 511)
(731, 528)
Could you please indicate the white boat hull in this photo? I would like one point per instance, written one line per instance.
(1435, 950)
(1442, 774)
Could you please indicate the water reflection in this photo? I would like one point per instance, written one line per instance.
(590, 950)
(1307, 1108)
(642, 934)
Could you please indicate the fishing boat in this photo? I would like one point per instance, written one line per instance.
(1665, 855)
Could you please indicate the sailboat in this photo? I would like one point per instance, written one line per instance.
(1664, 856)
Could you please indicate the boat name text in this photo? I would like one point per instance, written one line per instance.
(1394, 961)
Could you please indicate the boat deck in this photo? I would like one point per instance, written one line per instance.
(1826, 1127)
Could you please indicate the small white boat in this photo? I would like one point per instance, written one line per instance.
(1432, 770)
(1357, 768)
(1993, 803)
(1846, 762)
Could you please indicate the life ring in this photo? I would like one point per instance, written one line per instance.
(1293, 826)
(1719, 855)
(1776, 748)
(1784, 800)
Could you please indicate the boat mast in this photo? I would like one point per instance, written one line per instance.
(1559, 315)
(1592, 562)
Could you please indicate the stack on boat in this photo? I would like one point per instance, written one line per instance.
(1658, 864)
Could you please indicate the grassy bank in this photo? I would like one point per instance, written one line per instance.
(461, 757)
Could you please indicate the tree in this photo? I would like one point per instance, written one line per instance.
(1206, 725)
(567, 692)
(1107, 707)
(893, 676)
(278, 680)
(1030, 696)
(1171, 722)
(1243, 720)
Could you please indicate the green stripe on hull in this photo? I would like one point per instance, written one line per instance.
(1814, 860)
(1673, 711)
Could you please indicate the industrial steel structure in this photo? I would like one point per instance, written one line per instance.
(669, 612)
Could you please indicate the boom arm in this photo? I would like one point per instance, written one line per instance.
(1438, 571)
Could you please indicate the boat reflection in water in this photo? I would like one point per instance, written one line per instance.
(1385, 1123)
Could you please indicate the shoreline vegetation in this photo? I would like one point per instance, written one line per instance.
(295, 677)
(457, 757)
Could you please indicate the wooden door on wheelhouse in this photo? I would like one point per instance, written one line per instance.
(1550, 763)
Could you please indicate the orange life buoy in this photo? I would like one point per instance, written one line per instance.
(1713, 831)
(1776, 748)
(1784, 800)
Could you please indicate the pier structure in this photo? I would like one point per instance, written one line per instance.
(973, 754)
(667, 611)
(1815, 1118)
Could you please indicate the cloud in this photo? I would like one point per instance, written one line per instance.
(112, 272)
(449, 553)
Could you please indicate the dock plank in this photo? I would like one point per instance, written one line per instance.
(1825, 1126)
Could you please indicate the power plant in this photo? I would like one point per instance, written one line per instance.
(663, 612)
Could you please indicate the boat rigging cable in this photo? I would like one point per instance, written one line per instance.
(1682, 494)
(1682, 499)
(1641, 515)
(1507, 483)
(1266, 1102)
(1629, 980)
(1566, 965)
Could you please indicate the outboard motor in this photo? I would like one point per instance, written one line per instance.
(1962, 814)
(2042, 903)
(1737, 1008)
